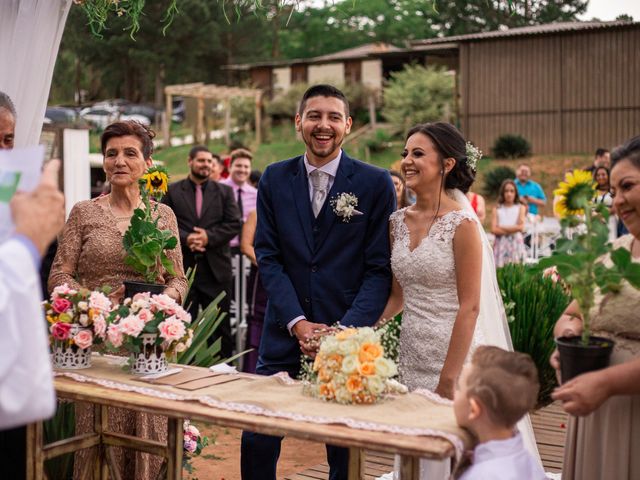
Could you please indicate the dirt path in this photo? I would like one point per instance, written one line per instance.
(221, 461)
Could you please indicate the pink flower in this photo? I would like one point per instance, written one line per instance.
(131, 325)
(190, 445)
(115, 335)
(99, 326)
(171, 329)
(183, 315)
(145, 315)
(142, 297)
(83, 339)
(62, 290)
(60, 331)
(163, 303)
(100, 302)
(61, 305)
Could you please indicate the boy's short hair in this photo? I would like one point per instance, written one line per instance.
(240, 153)
(506, 383)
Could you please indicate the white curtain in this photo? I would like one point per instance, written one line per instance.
(30, 34)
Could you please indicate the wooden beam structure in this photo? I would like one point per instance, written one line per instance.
(221, 93)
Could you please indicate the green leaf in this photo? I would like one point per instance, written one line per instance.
(632, 274)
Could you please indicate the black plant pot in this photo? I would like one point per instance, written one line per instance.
(576, 358)
(131, 288)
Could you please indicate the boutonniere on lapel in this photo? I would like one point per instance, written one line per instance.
(344, 206)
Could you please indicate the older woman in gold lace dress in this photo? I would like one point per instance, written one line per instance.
(603, 438)
(90, 254)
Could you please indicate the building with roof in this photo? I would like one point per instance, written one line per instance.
(566, 87)
(354, 65)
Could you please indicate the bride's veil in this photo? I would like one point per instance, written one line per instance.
(492, 327)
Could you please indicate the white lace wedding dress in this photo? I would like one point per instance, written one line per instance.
(428, 279)
(427, 276)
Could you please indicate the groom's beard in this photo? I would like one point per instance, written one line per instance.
(322, 152)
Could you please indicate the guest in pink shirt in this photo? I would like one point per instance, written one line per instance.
(244, 193)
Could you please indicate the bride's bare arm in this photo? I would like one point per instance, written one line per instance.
(394, 303)
(467, 252)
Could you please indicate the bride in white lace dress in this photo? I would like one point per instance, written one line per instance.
(436, 259)
(444, 278)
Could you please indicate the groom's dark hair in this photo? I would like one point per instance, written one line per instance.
(323, 90)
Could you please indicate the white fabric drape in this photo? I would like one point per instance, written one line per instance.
(30, 34)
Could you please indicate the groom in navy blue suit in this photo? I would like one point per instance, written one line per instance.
(319, 264)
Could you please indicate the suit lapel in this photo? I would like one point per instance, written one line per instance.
(342, 184)
(300, 187)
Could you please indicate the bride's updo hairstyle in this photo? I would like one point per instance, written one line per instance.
(449, 143)
(629, 151)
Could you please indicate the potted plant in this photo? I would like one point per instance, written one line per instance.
(578, 259)
(78, 320)
(149, 327)
(144, 242)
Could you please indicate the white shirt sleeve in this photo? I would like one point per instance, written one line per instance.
(26, 379)
(293, 322)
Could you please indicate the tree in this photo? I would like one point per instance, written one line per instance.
(418, 94)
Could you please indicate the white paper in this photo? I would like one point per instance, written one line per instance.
(223, 368)
(20, 170)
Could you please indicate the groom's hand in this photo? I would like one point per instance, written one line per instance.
(304, 330)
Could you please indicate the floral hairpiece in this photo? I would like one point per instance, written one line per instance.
(474, 154)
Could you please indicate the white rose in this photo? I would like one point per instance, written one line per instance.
(83, 306)
(343, 395)
(375, 384)
(385, 368)
(348, 347)
(350, 364)
(84, 319)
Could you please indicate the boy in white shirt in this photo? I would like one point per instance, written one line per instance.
(494, 391)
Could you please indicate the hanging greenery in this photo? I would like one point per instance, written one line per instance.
(99, 11)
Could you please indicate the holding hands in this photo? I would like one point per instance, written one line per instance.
(198, 240)
(309, 334)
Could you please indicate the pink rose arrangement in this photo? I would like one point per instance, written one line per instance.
(69, 307)
(155, 314)
(194, 442)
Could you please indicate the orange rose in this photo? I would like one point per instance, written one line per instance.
(324, 375)
(367, 368)
(369, 352)
(354, 383)
(335, 358)
(327, 390)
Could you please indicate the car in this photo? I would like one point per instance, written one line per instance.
(178, 110)
(140, 109)
(60, 115)
(101, 117)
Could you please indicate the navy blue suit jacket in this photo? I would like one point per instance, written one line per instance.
(325, 269)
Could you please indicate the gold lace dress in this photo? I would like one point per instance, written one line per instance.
(90, 254)
(606, 444)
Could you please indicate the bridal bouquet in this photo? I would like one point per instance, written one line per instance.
(77, 316)
(159, 317)
(351, 368)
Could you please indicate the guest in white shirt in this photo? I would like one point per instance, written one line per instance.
(26, 383)
(494, 391)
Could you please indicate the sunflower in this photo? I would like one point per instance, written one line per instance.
(577, 189)
(155, 181)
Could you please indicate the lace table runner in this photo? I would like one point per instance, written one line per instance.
(420, 413)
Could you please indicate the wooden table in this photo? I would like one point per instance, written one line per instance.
(410, 448)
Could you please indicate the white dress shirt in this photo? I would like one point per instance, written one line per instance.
(503, 460)
(331, 169)
(26, 381)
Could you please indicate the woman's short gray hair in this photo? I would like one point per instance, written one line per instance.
(7, 103)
